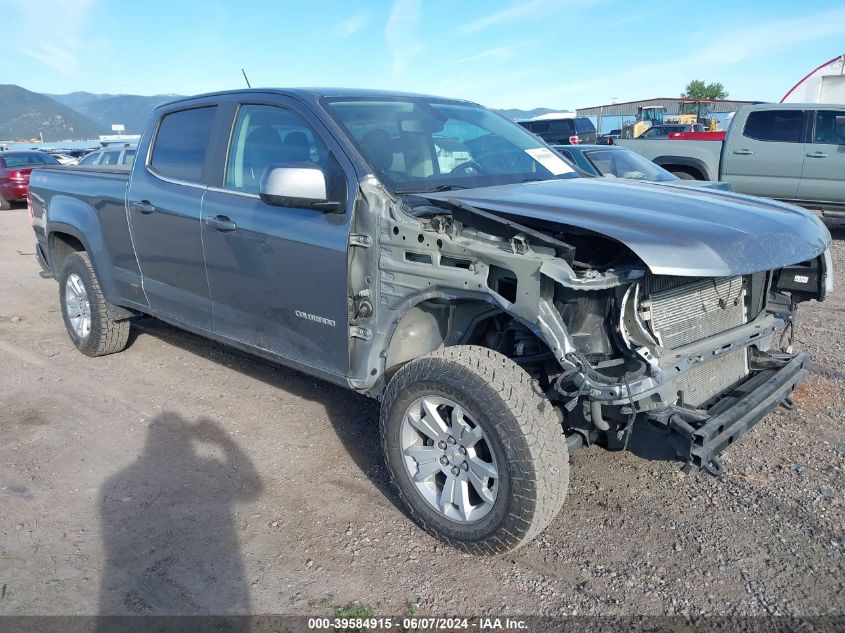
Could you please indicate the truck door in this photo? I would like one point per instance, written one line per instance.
(766, 156)
(823, 178)
(164, 203)
(277, 275)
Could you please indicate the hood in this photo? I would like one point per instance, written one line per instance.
(689, 231)
(703, 184)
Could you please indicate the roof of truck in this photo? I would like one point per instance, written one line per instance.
(311, 94)
(794, 106)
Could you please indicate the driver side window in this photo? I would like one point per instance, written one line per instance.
(268, 135)
(830, 127)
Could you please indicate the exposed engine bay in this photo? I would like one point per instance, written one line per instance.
(607, 340)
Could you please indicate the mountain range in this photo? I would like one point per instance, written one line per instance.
(29, 115)
(84, 115)
(105, 110)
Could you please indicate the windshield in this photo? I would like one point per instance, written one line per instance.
(618, 163)
(419, 145)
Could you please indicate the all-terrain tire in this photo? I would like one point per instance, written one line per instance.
(520, 426)
(105, 336)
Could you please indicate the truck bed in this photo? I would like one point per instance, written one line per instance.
(99, 195)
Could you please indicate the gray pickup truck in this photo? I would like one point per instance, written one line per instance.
(433, 255)
(790, 152)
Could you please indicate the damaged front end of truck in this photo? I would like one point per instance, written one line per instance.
(615, 324)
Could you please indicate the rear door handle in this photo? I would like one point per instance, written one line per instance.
(144, 206)
(743, 152)
(221, 223)
(816, 155)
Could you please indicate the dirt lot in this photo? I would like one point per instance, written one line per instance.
(179, 477)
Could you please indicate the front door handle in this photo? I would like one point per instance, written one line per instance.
(816, 155)
(221, 223)
(743, 152)
(144, 206)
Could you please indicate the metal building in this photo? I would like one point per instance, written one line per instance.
(613, 115)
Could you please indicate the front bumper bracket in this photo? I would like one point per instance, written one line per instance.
(698, 439)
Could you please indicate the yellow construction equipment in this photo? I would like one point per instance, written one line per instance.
(647, 116)
(692, 111)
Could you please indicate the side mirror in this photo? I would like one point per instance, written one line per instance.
(297, 185)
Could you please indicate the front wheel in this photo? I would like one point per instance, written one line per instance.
(474, 448)
(85, 310)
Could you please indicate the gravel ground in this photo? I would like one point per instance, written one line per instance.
(178, 476)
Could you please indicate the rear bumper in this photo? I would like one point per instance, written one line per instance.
(14, 191)
(699, 439)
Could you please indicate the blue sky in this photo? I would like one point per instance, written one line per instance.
(528, 53)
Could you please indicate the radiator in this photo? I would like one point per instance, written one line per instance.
(688, 312)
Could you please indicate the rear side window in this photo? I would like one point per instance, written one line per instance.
(110, 158)
(583, 124)
(567, 126)
(91, 159)
(182, 143)
(783, 126)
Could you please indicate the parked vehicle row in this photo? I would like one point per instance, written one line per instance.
(15, 170)
(790, 152)
(433, 255)
(115, 155)
(561, 128)
(667, 130)
(16, 166)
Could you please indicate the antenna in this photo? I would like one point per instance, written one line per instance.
(246, 78)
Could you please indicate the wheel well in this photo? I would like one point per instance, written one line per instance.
(62, 245)
(430, 325)
(686, 169)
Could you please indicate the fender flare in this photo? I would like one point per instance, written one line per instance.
(73, 217)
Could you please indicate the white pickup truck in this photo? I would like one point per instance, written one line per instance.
(793, 152)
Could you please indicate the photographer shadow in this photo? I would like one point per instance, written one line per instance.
(169, 524)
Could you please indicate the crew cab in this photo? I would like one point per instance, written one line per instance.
(791, 152)
(433, 255)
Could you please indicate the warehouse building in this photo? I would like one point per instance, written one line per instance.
(613, 115)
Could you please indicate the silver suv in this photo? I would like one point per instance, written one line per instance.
(115, 155)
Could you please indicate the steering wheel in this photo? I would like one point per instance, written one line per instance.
(469, 168)
(502, 159)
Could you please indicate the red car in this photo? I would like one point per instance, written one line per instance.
(15, 168)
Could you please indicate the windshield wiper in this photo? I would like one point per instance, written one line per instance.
(437, 189)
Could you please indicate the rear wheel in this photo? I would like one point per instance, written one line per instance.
(474, 448)
(85, 310)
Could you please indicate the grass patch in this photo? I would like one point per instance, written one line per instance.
(354, 611)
